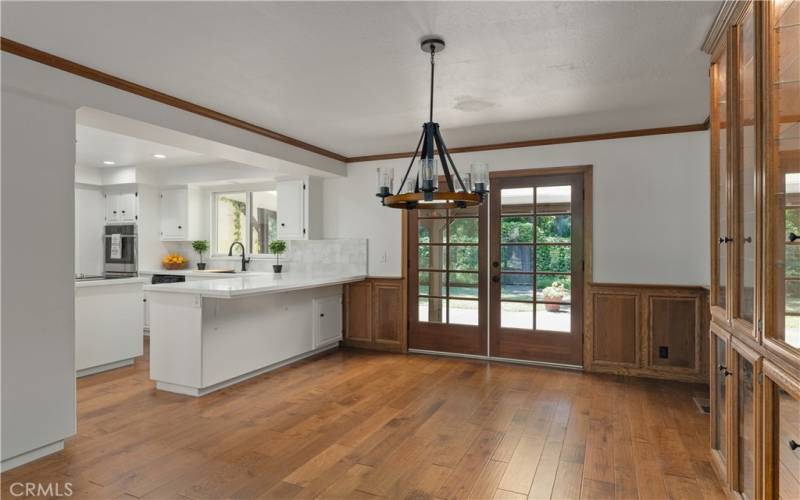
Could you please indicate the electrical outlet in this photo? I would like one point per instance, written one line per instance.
(663, 352)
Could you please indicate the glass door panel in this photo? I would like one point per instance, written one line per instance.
(783, 174)
(536, 265)
(719, 130)
(745, 417)
(719, 399)
(782, 440)
(746, 178)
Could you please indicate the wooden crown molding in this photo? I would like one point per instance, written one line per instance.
(546, 142)
(22, 50)
(728, 11)
(33, 54)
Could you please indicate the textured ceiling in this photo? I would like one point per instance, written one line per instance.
(350, 77)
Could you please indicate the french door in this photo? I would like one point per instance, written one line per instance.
(536, 291)
(526, 305)
(447, 280)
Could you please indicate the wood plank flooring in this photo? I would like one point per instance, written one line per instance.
(365, 425)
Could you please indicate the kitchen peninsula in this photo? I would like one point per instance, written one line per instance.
(209, 334)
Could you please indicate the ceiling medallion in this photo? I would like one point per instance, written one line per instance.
(420, 189)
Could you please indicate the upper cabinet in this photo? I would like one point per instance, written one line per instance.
(736, 169)
(299, 209)
(121, 206)
(782, 155)
(181, 214)
(292, 202)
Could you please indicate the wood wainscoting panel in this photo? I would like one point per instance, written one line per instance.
(646, 331)
(358, 312)
(673, 331)
(616, 320)
(375, 316)
(387, 311)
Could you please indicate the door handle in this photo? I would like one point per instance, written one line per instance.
(793, 444)
(496, 278)
(495, 264)
(793, 237)
(724, 370)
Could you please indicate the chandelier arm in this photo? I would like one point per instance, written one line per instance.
(408, 170)
(443, 147)
(448, 178)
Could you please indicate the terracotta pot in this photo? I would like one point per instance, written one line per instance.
(553, 307)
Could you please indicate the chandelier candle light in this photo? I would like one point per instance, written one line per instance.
(420, 189)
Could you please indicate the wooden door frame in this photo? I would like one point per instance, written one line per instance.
(588, 227)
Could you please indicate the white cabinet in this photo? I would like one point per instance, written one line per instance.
(180, 213)
(327, 320)
(121, 207)
(292, 210)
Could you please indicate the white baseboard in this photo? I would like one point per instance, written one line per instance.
(103, 368)
(30, 456)
(202, 391)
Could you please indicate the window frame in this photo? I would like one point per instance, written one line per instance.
(248, 195)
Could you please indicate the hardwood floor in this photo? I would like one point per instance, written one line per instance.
(357, 424)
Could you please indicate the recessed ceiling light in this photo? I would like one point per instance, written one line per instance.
(159, 156)
(109, 162)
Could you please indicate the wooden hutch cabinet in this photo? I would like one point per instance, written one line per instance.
(754, 337)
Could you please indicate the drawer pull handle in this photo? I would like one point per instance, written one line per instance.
(793, 444)
(321, 315)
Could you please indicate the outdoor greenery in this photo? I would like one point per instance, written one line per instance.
(553, 256)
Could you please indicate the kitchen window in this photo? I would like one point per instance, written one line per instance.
(249, 217)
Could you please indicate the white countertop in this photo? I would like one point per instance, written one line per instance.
(255, 284)
(110, 282)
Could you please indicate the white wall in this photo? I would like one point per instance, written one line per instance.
(90, 209)
(39, 106)
(651, 209)
(38, 334)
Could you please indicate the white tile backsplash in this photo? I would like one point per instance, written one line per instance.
(346, 255)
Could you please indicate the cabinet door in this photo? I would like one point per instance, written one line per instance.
(745, 421)
(782, 434)
(359, 312)
(291, 202)
(173, 214)
(747, 167)
(721, 235)
(112, 212)
(126, 207)
(782, 168)
(327, 320)
(719, 375)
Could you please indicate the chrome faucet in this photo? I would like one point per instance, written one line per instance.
(244, 260)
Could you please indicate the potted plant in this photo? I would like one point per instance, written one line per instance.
(553, 295)
(200, 246)
(277, 247)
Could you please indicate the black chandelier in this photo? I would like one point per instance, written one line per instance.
(420, 189)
